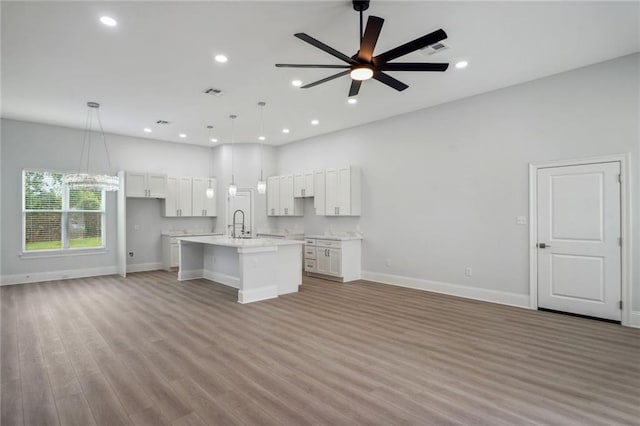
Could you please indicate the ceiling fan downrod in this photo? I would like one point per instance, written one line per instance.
(360, 6)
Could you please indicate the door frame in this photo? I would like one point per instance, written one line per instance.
(625, 225)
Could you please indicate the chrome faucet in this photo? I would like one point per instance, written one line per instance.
(233, 231)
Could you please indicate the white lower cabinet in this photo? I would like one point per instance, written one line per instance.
(334, 259)
(170, 252)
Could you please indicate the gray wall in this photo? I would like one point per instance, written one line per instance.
(441, 187)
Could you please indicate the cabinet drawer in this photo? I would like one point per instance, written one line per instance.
(310, 265)
(329, 243)
(310, 241)
(309, 252)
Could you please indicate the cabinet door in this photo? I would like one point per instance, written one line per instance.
(184, 197)
(308, 185)
(335, 262)
(198, 195)
(175, 252)
(298, 185)
(331, 190)
(136, 184)
(157, 186)
(286, 195)
(171, 200)
(273, 196)
(323, 261)
(210, 204)
(344, 192)
(319, 192)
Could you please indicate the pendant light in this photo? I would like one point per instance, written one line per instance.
(210, 191)
(262, 185)
(233, 189)
(84, 180)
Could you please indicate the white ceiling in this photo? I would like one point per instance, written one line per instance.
(156, 62)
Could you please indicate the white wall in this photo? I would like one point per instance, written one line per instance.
(441, 187)
(39, 146)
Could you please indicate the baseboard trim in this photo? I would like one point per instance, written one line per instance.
(195, 274)
(635, 319)
(486, 295)
(258, 294)
(37, 277)
(219, 277)
(143, 267)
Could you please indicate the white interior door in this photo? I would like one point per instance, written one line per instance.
(579, 269)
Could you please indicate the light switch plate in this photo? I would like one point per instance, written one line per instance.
(521, 220)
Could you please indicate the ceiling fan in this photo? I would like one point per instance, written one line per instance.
(363, 65)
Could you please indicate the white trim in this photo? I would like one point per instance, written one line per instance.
(219, 277)
(189, 275)
(625, 225)
(476, 293)
(56, 275)
(635, 319)
(257, 294)
(143, 267)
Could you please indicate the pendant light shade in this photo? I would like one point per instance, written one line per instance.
(262, 185)
(210, 192)
(233, 189)
(84, 179)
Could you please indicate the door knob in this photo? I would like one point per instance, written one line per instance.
(542, 245)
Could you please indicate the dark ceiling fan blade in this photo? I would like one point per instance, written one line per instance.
(324, 80)
(320, 45)
(413, 66)
(355, 87)
(390, 81)
(411, 46)
(310, 66)
(370, 38)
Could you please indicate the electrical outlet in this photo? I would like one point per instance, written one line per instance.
(132, 254)
(521, 220)
(468, 271)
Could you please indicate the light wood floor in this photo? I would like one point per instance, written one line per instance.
(149, 350)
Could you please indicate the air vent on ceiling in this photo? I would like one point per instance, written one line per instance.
(213, 91)
(434, 48)
(162, 122)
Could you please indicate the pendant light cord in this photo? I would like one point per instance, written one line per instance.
(104, 141)
(262, 105)
(233, 144)
(87, 127)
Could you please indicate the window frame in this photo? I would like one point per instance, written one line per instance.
(64, 212)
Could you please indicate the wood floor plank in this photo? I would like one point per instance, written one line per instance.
(150, 350)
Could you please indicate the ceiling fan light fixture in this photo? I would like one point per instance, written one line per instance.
(361, 73)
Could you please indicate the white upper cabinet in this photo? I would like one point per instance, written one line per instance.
(289, 206)
(178, 200)
(303, 185)
(319, 192)
(146, 185)
(203, 205)
(342, 191)
(273, 196)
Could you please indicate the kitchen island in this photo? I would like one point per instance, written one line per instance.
(259, 268)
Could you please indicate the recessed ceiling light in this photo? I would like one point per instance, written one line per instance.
(296, 83)
(261, 138)
(108, 21)
(315, 122)
(461, 64)
(147, 130)
(221, 58)
(285, 130)
(352, 101)
(183, 135)
(214, 140)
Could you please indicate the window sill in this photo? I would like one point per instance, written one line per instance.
(61, 253)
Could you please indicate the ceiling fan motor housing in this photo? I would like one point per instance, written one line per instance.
(360, 5)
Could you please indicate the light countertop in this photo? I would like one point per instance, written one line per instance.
(335, 237)
(188, 233)
(240, 242)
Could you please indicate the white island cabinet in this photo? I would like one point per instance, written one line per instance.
(259, 268)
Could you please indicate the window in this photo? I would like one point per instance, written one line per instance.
(56, 217)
